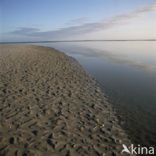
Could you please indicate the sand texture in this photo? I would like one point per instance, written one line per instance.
(49, 106)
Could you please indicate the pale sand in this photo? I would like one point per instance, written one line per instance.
(49, 106)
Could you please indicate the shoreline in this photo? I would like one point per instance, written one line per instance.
(51, 105)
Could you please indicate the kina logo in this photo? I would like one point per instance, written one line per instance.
(134, 150)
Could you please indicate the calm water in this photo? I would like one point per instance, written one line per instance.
(127, 73)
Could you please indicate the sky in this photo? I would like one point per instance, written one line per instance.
(43, 20)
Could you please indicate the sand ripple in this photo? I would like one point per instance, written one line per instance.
(50, 106)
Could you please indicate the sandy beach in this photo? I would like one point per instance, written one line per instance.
(50, 106)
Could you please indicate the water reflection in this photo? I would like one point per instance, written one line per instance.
(117, 58)
(142, 56)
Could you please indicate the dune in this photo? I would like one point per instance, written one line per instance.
(50, 106)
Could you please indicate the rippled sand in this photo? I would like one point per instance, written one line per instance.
(49, 106)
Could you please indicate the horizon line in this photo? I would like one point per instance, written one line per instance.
(76, 41)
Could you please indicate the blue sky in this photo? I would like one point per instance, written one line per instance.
(33, 20)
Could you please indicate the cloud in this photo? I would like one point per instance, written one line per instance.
(25, 31)
(137, 13)
(87, 27)
(78, 21)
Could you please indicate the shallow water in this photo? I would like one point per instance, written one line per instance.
(126, 71)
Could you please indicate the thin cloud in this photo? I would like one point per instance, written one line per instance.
(78, 21)
(87, 27)
(25, 31)
(137, 13)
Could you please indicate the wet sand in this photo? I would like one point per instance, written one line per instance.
(49, 106)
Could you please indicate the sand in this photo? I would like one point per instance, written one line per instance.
(49, 106)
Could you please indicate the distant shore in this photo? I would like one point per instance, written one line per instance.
(49, 106)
